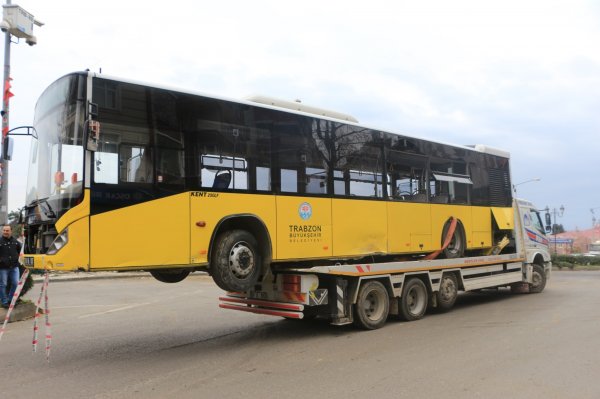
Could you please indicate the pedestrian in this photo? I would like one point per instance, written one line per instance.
(10, 249)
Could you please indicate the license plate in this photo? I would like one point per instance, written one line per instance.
(28, 261)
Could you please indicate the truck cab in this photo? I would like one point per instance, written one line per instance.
(531, 235)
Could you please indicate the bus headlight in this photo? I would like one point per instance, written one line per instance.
(59, 242)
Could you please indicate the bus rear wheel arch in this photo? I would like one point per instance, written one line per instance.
(236, 262)
(457, 245)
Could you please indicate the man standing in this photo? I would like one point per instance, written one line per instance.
(10, 249)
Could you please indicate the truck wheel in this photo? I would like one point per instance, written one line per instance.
(538, 279)
(170, 276)
(456, 248)
(413, 302)
(236, 262)
(448, 292)
(372, 306)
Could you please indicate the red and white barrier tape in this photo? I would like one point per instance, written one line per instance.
(43, 293)
(14, 301)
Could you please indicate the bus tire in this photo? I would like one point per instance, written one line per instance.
(170, 276)
(413, 302)
(236, 262)
(447, 294)
(456, 248)
(372, 306)
(538, 279)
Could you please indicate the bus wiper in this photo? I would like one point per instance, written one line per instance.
(49, 212)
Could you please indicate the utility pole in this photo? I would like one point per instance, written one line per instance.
(557, 213)
(19, 23)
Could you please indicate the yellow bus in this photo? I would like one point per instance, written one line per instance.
(128, 176)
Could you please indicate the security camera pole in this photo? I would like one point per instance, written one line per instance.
(19, 23)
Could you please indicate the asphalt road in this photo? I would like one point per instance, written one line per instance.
(139, 338)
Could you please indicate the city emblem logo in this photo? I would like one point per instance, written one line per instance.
(305, 211)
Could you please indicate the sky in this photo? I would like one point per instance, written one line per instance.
(522, 76)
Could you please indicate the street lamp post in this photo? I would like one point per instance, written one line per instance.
(19, 23)
(526, 181)
(594, 216)
(556, 213)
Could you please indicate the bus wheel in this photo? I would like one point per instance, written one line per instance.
(538, 279)
(448, 292)
(456, 248)
(372, 306)
(170, 276)
(236, 262)
(413, 302)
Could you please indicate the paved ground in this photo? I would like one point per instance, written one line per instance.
(136, 337)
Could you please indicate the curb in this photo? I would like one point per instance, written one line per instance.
(59, 277)
(88, 276)
(22, 311)
(576, 268)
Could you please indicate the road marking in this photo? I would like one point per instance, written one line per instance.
(80, 306)
(135, 305)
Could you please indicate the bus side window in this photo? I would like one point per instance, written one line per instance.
(263, 178)
(169, 166)
(339, 183)
(106, 161)
(213, 166)
(289, 181)
(408, 175)
(136, 164)
(316, 181)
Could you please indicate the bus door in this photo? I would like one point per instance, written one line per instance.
(303, 222)
(409, 213)
(359, 224)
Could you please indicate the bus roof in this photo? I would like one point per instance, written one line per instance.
(298, 106)
(270, 103)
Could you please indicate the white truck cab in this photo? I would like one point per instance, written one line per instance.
(531, 235)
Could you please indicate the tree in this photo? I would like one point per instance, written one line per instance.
(557, 228)
(13, 220)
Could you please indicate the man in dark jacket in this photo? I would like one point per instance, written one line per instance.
(10, 249)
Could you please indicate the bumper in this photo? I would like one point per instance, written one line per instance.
(50, 262)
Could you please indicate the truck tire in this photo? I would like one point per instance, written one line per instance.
(456, 248)
(235, 262)
(372, 306)
(413, 302)
(447, 294)
(170, 276)
(538, 279)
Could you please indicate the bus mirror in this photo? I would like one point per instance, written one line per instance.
(93, 135)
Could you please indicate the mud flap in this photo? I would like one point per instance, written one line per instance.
(340, 306)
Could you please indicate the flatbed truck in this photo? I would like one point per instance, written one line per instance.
(367, 293)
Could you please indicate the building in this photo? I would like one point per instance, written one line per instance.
(575, 242)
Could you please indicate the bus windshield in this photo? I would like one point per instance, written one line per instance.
(56, 157)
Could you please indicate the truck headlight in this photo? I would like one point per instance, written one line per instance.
(59, 242)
